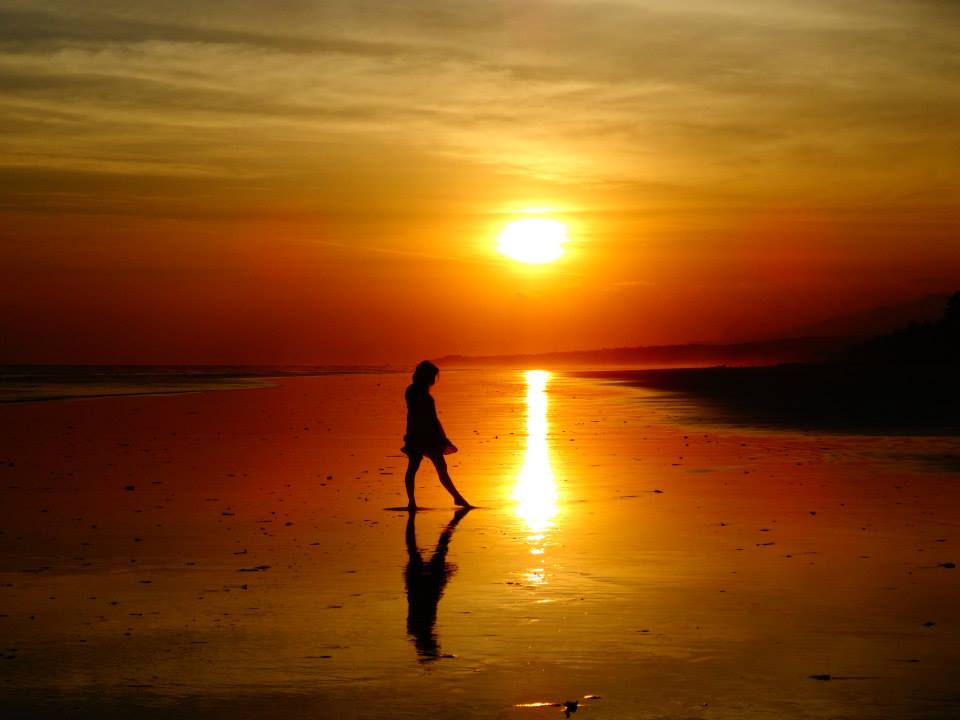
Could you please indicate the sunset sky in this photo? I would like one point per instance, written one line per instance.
(324, 181)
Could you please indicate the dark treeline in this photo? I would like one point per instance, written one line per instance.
(906, 381)
(918, 342)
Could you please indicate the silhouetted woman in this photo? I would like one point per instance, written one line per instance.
(425, 434)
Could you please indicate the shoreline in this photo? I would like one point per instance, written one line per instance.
(21, 384)
(94, 394)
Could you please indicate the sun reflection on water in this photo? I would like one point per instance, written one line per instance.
(535, 491)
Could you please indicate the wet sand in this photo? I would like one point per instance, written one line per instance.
(850, 398)
(45, 383)
(229, 554)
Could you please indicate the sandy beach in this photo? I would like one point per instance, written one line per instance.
(233, 554)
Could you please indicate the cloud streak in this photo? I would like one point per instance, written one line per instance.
(767, 96)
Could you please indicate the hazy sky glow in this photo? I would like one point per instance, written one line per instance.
(324, 181)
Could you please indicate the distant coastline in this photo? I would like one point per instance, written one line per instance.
(902, 382)
(832, 340)
(762, 352)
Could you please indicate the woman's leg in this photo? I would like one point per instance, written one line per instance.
(440, 463)
(413, 464)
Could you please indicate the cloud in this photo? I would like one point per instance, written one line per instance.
(763, 99)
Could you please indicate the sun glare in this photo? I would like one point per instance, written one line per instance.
(533, 240)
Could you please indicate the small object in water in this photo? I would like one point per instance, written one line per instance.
(929, 623)
(825, 676)
(129, 488)
(948, 565)
(568, 706)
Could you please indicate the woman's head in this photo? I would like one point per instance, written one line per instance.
(426, 373)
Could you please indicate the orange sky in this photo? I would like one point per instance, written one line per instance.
(316, 182)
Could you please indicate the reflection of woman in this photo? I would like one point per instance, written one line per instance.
(425, 582)
(425, 434)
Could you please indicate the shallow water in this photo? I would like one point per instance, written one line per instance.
(676, 570)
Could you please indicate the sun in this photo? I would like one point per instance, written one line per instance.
(533, 240)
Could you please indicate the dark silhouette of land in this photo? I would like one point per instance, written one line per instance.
(929, 343)
(826, 341)
(876, 321)
(907, 381)
(425, 582)
(763, 352)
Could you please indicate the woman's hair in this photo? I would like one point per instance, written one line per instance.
(426, 373)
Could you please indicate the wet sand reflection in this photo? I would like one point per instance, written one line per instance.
(425, 581)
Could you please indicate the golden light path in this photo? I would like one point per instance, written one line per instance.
(535, 491)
